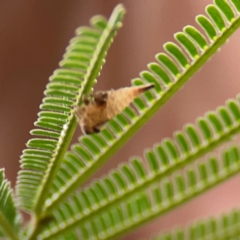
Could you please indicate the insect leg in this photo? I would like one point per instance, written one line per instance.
(96, 130)
(86, 100)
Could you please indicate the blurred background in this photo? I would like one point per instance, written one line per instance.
(33, 37)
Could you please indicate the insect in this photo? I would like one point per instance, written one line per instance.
(100, 107)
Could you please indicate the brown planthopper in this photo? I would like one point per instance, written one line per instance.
(100, 107)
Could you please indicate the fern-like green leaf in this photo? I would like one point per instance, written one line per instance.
(9, 216)
(169, 74)
(227, 226)
(191, 143)
(56, 123)
(141, 208)
(165, 158)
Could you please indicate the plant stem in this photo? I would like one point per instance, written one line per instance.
(7, 229)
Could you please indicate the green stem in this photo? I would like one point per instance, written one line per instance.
(7, 229)
(52, 170)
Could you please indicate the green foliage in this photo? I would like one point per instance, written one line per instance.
(121, 128)
(221, 228)
(10, 218)
(163, 160)
(79, 68)
(143, 206)
(136, 192)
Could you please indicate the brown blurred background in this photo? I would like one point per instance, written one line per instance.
(33, 37)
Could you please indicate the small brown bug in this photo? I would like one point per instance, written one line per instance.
(102, 106)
